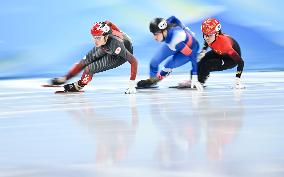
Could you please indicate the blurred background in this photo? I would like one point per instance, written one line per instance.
(45, 38)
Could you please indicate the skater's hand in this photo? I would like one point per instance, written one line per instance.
(201, 55)
(238, 84)
(196, 83)
(131, 89)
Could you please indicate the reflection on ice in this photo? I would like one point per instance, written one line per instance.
(158, 132)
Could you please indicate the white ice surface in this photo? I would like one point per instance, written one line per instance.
(156, 133)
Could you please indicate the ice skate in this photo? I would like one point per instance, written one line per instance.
(148, 83)
(73, 87)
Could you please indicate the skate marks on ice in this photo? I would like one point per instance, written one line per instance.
(50, 85)
(64, 92)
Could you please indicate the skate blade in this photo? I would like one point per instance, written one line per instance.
(153, 87)
(184, 87)
(50, 85)
(63, 92)
(180, 87)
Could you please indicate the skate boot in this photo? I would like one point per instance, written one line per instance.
(73, 87)
(58, 81)
(148, 83)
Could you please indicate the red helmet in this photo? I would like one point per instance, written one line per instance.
(210, 26)
(100, 29)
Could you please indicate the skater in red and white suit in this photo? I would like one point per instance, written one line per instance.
(113, 48)
(225, 53)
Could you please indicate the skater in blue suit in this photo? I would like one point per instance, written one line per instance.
(179, 48)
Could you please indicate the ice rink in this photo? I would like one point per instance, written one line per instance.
(160, 132)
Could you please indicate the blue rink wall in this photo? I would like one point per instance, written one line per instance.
(45, 38)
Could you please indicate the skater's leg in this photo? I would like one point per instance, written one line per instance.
(85, 79)
(88, 60)
(227, 63)
(176, 61)
(213, 62)
(173, 61)
(180, 59)
(163, 53)
(106, 62)
(210, 62)
(78, 67)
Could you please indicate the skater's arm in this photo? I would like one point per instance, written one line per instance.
(78, 67)
(134, 63)
(177, 42)
(112, 26)
(115, 30)
(92, 55)
(240, 62)
(132, 84)
(119, 49)
(174, 20)
(230, 51)
(183, 48)
(194, 67)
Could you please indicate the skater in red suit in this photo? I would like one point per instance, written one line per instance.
(113, 48)
(225, 53)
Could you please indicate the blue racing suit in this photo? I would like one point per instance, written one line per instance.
(179, 48)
